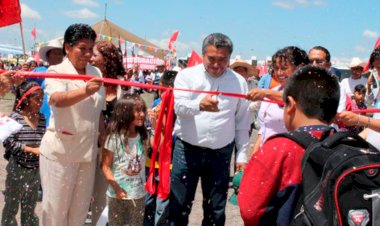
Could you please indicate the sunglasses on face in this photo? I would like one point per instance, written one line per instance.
(318, 61)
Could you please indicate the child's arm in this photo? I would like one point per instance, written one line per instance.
(107, 161)
(35, 151)
(16, 147)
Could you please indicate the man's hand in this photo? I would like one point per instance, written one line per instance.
(240, 166)
(93, 85)
(209, 103)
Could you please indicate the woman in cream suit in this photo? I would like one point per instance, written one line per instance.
(69, 147)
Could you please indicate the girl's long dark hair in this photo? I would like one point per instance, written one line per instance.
(123, 116)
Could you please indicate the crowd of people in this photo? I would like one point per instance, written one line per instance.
(85, 143)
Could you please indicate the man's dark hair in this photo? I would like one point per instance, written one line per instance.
(293, 55)
(168, 77)
(360, 88)
(316, 92)
(374, 55)
(323, 49)
(218, 40)
(76, 32)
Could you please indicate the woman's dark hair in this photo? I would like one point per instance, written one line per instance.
(123, 115)
(113, 60)
(293, 55)
(20, 91)
(316, 92)
(374, 55)
(76, 32)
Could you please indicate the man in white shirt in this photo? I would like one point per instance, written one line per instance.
(348, 84)
(207, 127)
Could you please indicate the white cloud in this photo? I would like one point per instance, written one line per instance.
(88, 3)
(27, 12)
(81, 14)
(361, 49)
(291, 4)
(370, 34)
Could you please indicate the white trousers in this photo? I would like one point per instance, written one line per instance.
(67, 190)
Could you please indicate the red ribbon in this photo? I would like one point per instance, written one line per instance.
(164, 148)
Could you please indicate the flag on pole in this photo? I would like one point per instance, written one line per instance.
(194, 59)
(34, 33)
(10, 12)
(377, 44)
(172, 39)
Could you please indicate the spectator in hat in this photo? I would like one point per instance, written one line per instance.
(52, 55)
(248, 72)
(348, 84)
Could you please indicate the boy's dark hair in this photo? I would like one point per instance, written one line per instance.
(360, 88)
(316, 92)
(123, 116)
(168, 77)
(293, 55)
(20, 91)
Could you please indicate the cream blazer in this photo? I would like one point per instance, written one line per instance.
(72, 134)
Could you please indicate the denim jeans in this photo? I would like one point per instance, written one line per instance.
(156, 209)
(189, 164)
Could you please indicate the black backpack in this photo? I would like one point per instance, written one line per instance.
(340, 181)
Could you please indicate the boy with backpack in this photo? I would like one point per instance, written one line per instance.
(271, 183)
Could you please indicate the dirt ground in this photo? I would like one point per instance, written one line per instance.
(232, 212)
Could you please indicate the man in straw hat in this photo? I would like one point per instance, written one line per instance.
(348, 84)
(51, 54)
(246, 70)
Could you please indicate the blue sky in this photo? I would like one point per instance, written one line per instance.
(348, 28)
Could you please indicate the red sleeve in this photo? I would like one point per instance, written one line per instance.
(268, 172)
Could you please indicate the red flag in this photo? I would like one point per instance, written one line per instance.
(10, 12)
(34, 33)
(194, 59)
(173, 38)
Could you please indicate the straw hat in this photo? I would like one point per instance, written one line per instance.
(356, 62)
(53, 44)
(250, 69)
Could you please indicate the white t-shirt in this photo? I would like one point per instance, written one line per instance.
(126, 161)
(348, 85)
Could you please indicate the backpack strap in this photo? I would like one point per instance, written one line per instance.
(300, 137)
(339, 136)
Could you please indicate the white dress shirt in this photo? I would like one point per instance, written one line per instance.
(212, 130)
